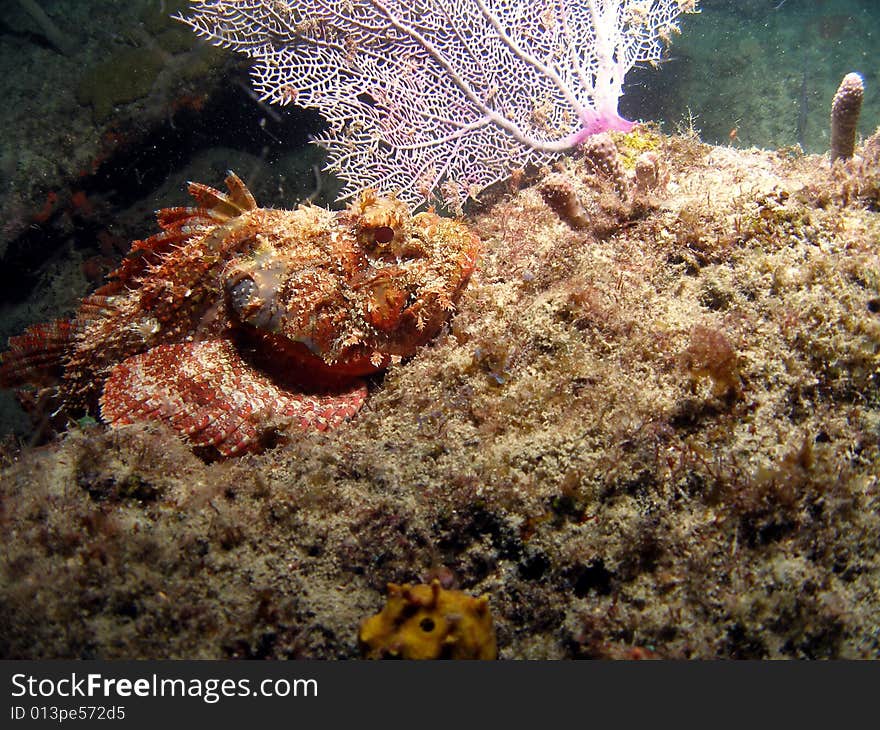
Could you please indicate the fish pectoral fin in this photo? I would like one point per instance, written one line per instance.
(208, 394)
(37, 356)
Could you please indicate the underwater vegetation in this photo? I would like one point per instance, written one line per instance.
(649, 429)
(438, 104)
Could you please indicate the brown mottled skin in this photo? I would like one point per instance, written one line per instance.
(236, 322)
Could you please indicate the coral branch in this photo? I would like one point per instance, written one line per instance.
(442, 98)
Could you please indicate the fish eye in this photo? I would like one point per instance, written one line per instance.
(249, 306)
(241, 293)
(383, 234)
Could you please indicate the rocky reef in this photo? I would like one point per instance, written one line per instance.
(650, 429)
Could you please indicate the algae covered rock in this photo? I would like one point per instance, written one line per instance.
(126, 76)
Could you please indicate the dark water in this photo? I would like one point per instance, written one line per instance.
(764, 68)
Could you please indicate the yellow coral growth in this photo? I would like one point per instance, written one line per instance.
(429, 622)
(632, 144)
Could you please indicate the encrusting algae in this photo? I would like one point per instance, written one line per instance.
(429, 622)
(650, 430)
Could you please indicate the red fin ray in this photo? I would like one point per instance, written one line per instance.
(143, 254)
(175, 218)
(209, 395)
(239, 192)
(179, 224)
(228, 206)
(37, 356)
(95, 306)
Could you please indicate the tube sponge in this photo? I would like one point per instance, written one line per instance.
(845, 111)
(52, 32)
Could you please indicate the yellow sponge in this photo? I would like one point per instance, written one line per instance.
(429, 622)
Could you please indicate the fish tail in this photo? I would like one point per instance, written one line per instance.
(37, 356)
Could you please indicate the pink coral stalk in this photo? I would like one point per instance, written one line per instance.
(442, 98)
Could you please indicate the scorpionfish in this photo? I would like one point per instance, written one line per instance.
(237, 324)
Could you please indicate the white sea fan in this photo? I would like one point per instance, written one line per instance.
(441, 98)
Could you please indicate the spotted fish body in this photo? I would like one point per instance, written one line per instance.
(236, 323)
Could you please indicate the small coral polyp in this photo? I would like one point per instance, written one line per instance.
(236, 324)
(429, 622)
